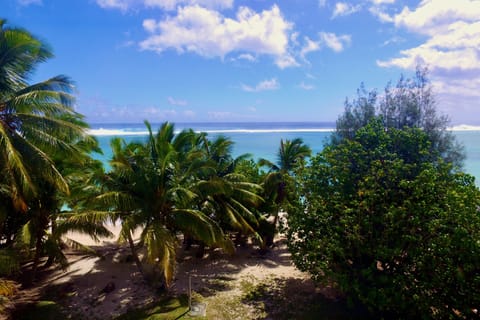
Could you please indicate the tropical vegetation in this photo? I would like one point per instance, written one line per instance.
(386, 216)
(42, 139)
(383, 213)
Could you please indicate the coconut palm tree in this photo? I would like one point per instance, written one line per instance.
(152, 186)
(226, 193)
(290, 155)
(38, 125)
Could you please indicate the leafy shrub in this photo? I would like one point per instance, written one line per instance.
(395, 231)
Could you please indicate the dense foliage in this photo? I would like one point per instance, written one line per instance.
(393, 230)
(383, 212)
(176, 185)
(410, 103)
(42, 139)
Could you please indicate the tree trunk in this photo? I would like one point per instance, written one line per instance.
(201, 250)
(36, 259)
(51, 257)
(135, 254)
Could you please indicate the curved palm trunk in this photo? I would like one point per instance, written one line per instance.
(51, 257)
(36, 259)
(42, 221)
(136, 259)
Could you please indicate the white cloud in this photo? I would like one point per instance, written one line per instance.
(344, 9)
(124, 5)
(286, 61)
(380, 2)
(335, 42)
(310, 46)
(433, 16)
(380, 14)
(322, 3)
(453, 31)
(305, 86)
(115, 4)
(173, 4)
(29, 2)
(176, 102)
(210, 34)
(271, 84)
(451, 49)
(247, 56)
(393, 40)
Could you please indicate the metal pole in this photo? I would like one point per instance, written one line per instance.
(189, 292)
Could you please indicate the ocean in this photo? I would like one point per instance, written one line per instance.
(262, 140)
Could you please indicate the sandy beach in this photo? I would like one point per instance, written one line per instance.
(108, 284)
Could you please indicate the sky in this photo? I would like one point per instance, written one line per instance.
(251, 61)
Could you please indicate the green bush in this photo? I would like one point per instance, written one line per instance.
(394, 230)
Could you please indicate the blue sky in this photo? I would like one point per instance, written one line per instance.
(257, 60)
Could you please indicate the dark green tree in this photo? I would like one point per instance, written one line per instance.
(392, 229)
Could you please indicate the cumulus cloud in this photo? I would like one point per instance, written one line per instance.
(176, 102)
(453, 31)
(344, 9)
(433, 16)
(451, 49)
(266, 85)
(210, 34)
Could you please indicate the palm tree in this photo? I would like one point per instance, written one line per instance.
(226, 193)
(37, 125)
(290, 155)
(152, 187)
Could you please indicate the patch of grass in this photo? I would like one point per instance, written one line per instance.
(169, 308)
(45, 310)
(280, 298)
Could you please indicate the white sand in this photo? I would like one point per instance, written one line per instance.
(82, 283)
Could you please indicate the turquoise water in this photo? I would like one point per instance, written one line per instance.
(262, 140)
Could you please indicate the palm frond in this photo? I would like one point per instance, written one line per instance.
(199, 225)
(14, 160)
(7, 288)
(161, 247)
(75, 245)
(90, 223)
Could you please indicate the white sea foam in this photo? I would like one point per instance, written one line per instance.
(464, 127)
(123, 132)
(130, 132)
(266, 130)
(115, 132)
